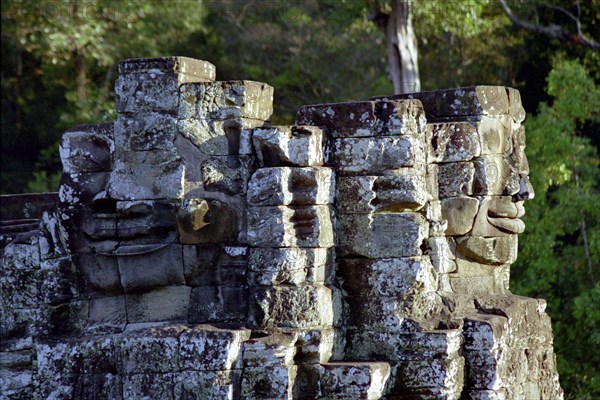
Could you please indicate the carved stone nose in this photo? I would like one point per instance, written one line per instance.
(525, 190)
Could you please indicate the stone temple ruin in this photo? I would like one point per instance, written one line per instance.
(195, 251)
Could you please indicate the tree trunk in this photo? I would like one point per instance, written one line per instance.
(402, 48)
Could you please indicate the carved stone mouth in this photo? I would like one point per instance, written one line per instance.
(506, 216)
(510, 225)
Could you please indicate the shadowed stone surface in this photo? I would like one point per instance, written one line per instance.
(194, 251)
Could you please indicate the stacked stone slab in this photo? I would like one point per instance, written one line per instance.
(476, 144)
(198, 252)
(383, 205)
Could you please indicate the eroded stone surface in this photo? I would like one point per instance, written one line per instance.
(199, 253)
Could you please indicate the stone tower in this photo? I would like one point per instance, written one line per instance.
(195, 251)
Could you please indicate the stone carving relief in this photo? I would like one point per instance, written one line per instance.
(198, 252)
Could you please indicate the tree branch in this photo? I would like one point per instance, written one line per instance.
(553, 30)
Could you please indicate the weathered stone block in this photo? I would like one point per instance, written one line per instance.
(147, 175)
(216, 100)
(460, 213)
(219, 134)
(448, 104)
(495, 175)
(495, 134)
(291, 186)
(297, 146)
(517, 111)
(403, 345)
(292, 307)
(364, 194)
(224, 304)
(451, 142)
(489, 250)
(268, 383)
(137, 275)
(455, 179)
(169, 303)
(442, 250)
(87, 148)
(365, 119)
(296, 226)
(209, 265)
(193, 385)
(353, 380)
(394, 277)
(108, 311)
(382, 235)
(273, 350)
(187, 69)
(209, 220)
(148, 385)
(100, 272)
(353, 155)
(291, 266)
(220, 349)
(149, 131)
(437, 373)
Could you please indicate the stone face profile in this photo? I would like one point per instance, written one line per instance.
(196, 251)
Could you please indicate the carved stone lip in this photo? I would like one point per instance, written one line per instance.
(506, 216)
(510, 225)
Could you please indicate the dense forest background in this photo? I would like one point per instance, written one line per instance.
(59, 63)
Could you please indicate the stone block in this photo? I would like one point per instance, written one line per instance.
(210, 220)
(200, 385)
(166, 269)
(393, 277)
(87, 148)
(295, 226)
(452, 142)
(226, 174)
(211, 265)
(169, 303)
(220, 133)
(221, 349)
(460, 213)
(100, 272)
(366, 118)
(292, 307)
(21, 287)
(145, 351)
(362, 155)
(365, 194)
(291, 266)
(111, 311)
(474, 278)
(294, 146)
(495, 133)
(455, 179)
(217, 100)
(493, 218)
(450, 104)
(147, 175)
(489, 250)
(148, 386)
(316, 345)
(436, 373)
(381, 235)
(403, 345)
(186, 69)
(149, 131)
(354, 380)
(495, 175)
(278, 186)
(219, 304)
(517, 112)
(442, 253)
(270, 351)
(268, 383)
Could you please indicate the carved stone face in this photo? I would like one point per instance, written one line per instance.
(124, 208)
(482, 198)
